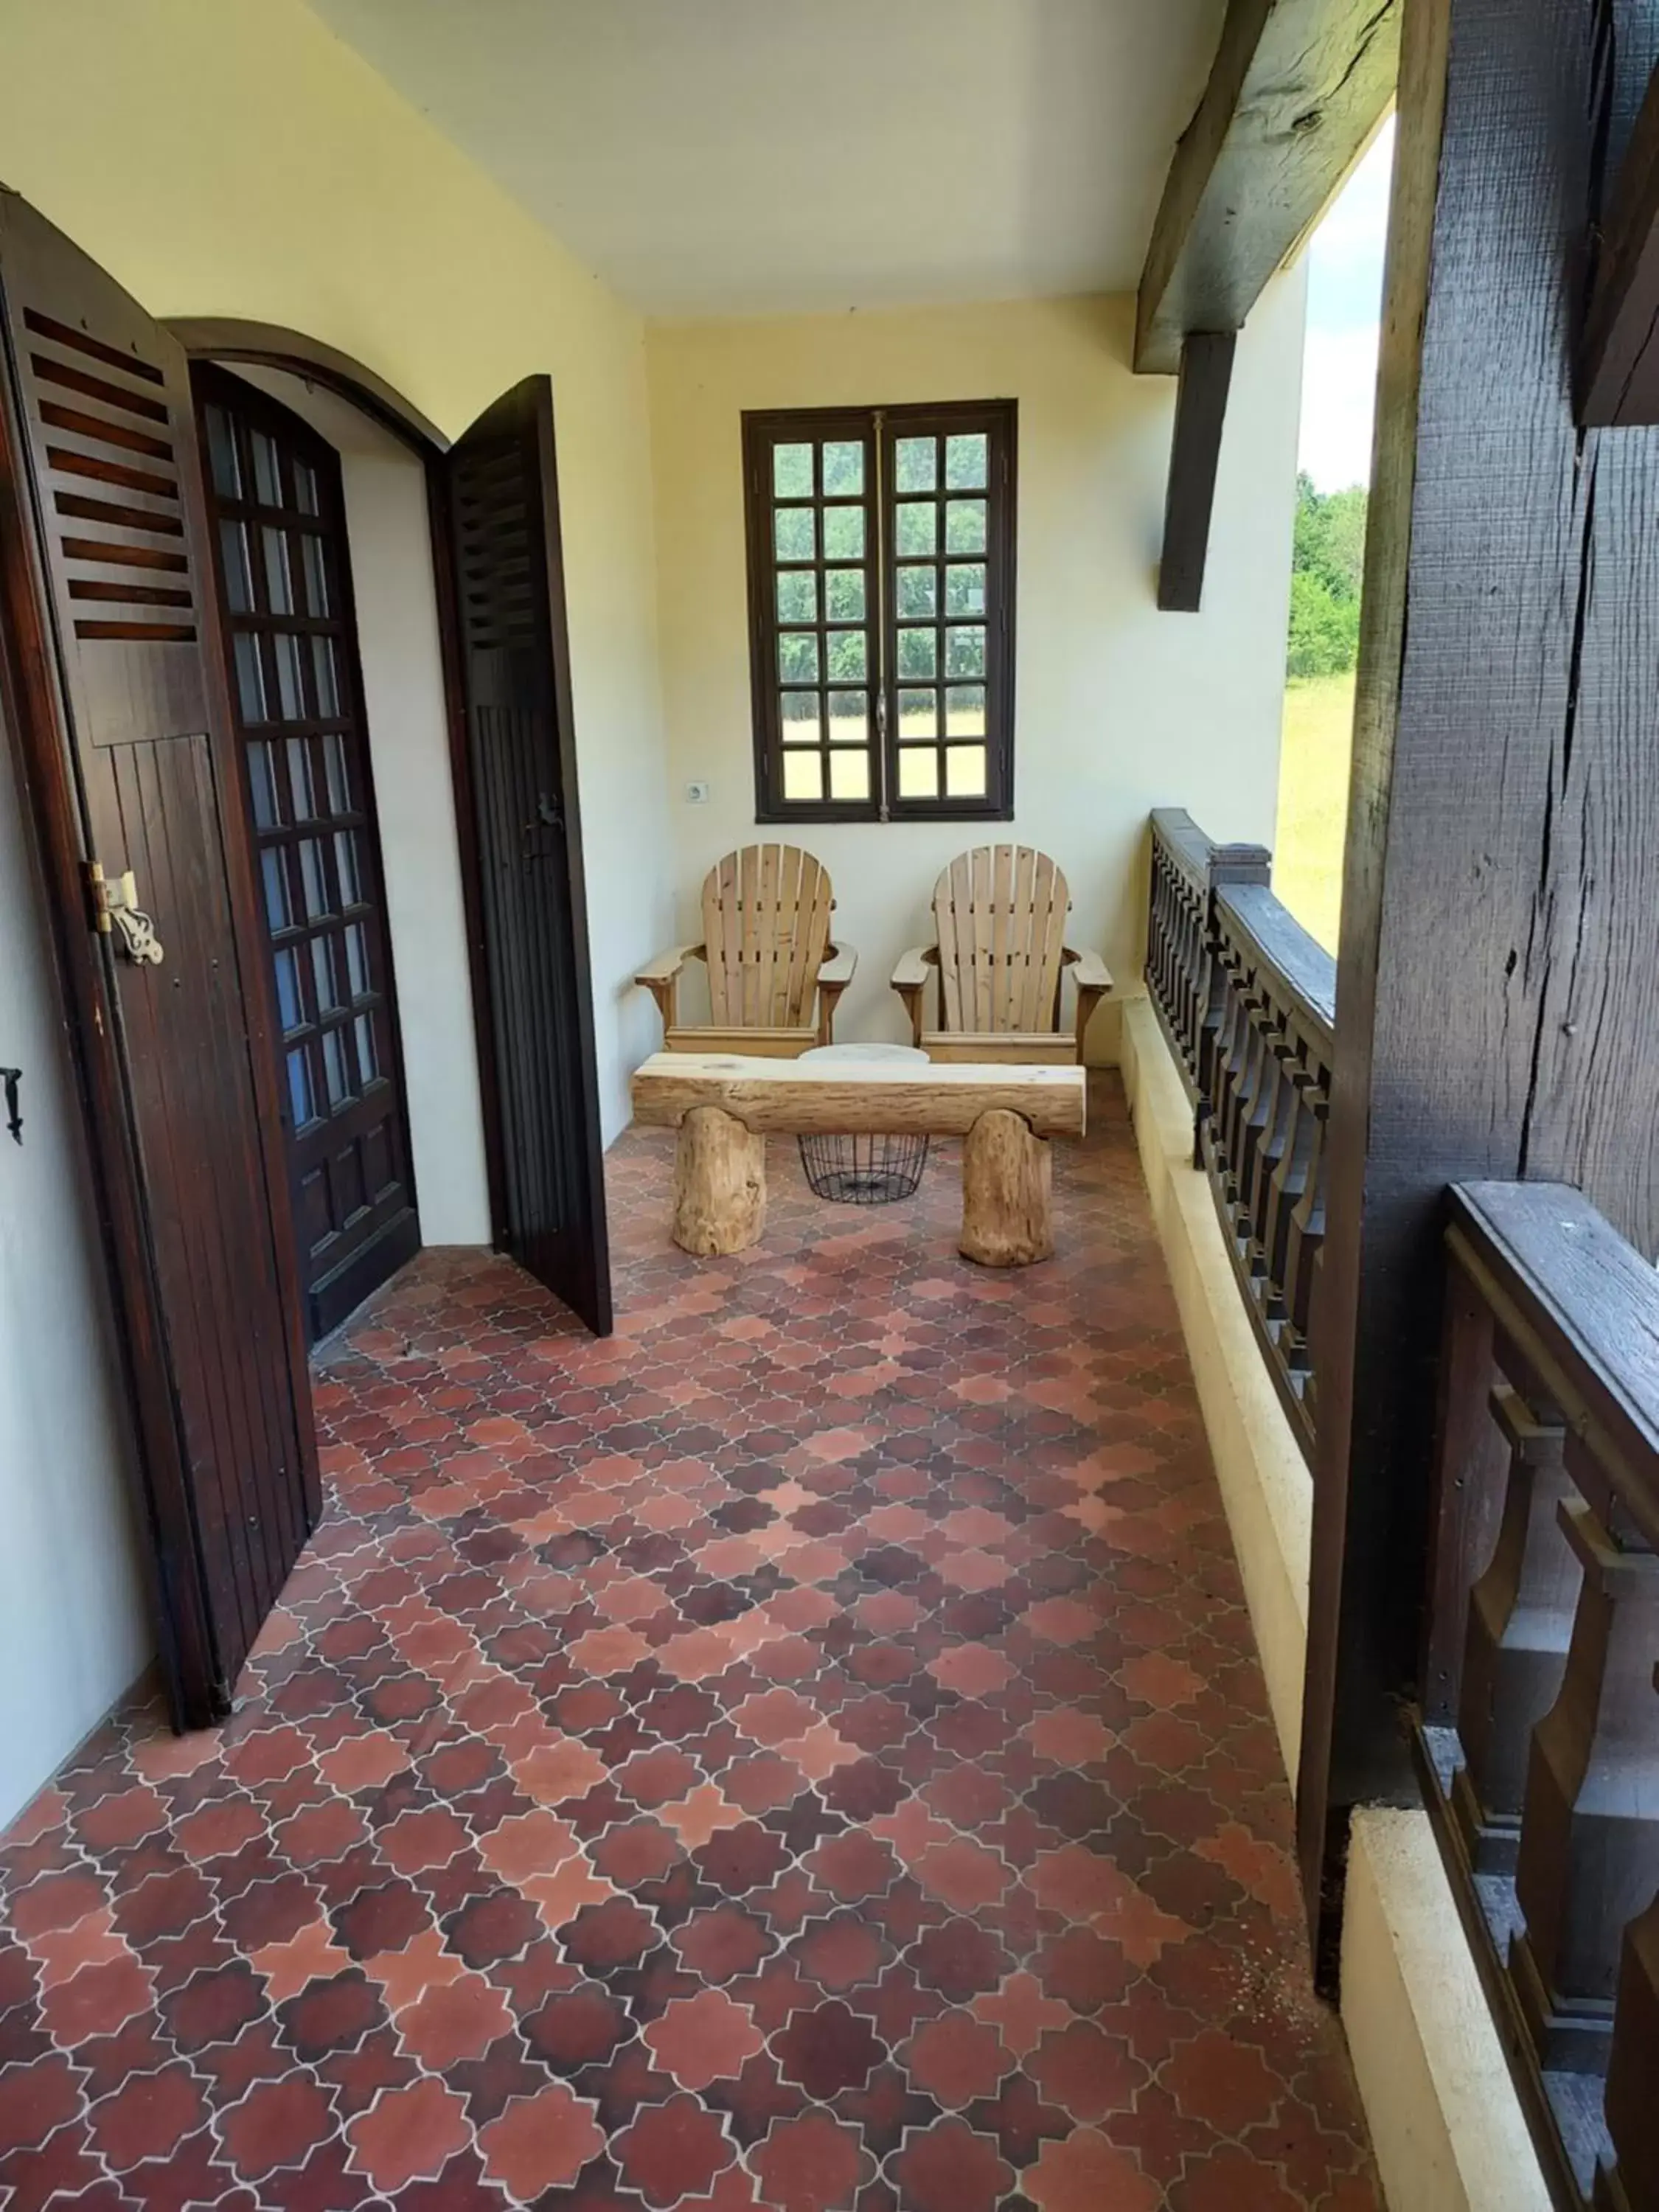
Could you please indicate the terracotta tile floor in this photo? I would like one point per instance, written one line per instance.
(806, 1752)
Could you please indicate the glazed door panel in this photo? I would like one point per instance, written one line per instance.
(277, 501)
(110, 656)
(520, 763)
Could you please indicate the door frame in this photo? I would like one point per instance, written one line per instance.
(272, 345)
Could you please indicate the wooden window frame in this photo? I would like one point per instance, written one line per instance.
(879, 429)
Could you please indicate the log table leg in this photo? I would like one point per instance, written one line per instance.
(720, 1184)
(1007, 1193)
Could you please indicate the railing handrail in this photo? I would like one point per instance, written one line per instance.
(1298, 968)
(1582, 1306)
(1201, 860)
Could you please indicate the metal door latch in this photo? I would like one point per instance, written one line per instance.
(116, 912)
(10, 1079)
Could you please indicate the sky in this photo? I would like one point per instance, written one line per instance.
(1345, 297)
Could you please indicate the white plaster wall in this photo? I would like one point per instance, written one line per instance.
(74, 1628)
(389, 529)
(1118, 707)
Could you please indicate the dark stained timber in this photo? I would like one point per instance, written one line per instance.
(1207, 372)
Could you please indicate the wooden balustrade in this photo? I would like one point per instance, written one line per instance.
(1539, 1733)
(1188, 869)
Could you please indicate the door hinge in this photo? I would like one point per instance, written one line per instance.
(116, 913)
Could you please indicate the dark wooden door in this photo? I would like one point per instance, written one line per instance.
(114, 689)
(277, 506)
(518, 764)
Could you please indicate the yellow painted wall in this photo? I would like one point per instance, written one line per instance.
(1120, 708)
(232, 157)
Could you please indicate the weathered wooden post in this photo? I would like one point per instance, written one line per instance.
(1007, 1193)
(720, 1184)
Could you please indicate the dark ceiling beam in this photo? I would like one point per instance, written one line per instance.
(1619, 367)
(1298, 87)
(1207, 369)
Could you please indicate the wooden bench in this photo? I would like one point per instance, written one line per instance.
(724, 1107)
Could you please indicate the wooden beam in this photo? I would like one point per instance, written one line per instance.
(1497, 1001)
(1207, 374)
(1619, 366)
(1297, 89)
(853, 1097)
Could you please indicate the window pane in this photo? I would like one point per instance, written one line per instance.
(267, 475)
(311, 876)
(299, 1089)
(803, 775)
(326, 668)
(339, 780)
(368, 1064)
(305, 486)
(221, 452)
(290, 1006)
(849, 717)
(299, 779)
(918, 653)
(239, 578)
(843, 533)
(795, 534)
(918, 594)
(316, 575)
(918, 772)
(800, 718)
(275, 883)
(345, 859)
(287, 676)
(843, 470)
(965, 710)
(334, 1067)
(849, 656)
(918, 527)
(798, 656)
(797, 595)
(849, 776)
(964, 589)
(322, 972)
(918, 714)
(843, 594)
(262, 783)
(792, 473)
(279, 584)
(250, 678)
(964, 525)
(356, 952)
(964, 772)
(964, 652)
(964, 462)
(915, 464)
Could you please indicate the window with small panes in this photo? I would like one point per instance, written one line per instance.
(881, 573)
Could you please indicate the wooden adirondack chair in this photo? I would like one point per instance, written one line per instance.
(1001, 914)
(774, 976)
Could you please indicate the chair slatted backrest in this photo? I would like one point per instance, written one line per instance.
(766, 931)
(1001, 914)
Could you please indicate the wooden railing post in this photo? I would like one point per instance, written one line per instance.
(1632, 2183)
(1588, 1860)
(1186, 992)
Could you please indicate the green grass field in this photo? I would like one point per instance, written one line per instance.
(1313, 802)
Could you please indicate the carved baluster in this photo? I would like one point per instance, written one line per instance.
(1286, 1184)
(1226, 1060)
(1257, 1113)
(1519, 1626)
(1588, 1860)
(1306, 1232)
(1277, 1139)
(1632, 2092)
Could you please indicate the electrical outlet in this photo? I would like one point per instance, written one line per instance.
(696, 792)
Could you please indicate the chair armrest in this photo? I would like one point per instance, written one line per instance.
(1089, 971)
(834, 977)
(910, 980)
(1094, 981)
(661, 977)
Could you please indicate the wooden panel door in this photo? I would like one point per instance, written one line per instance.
(110, 655)
(277, 506)
(518, 765)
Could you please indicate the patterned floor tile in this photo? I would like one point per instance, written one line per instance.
(805, 1752)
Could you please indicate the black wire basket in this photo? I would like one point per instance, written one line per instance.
(863, 1170)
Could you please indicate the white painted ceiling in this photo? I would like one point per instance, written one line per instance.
(711, 157)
